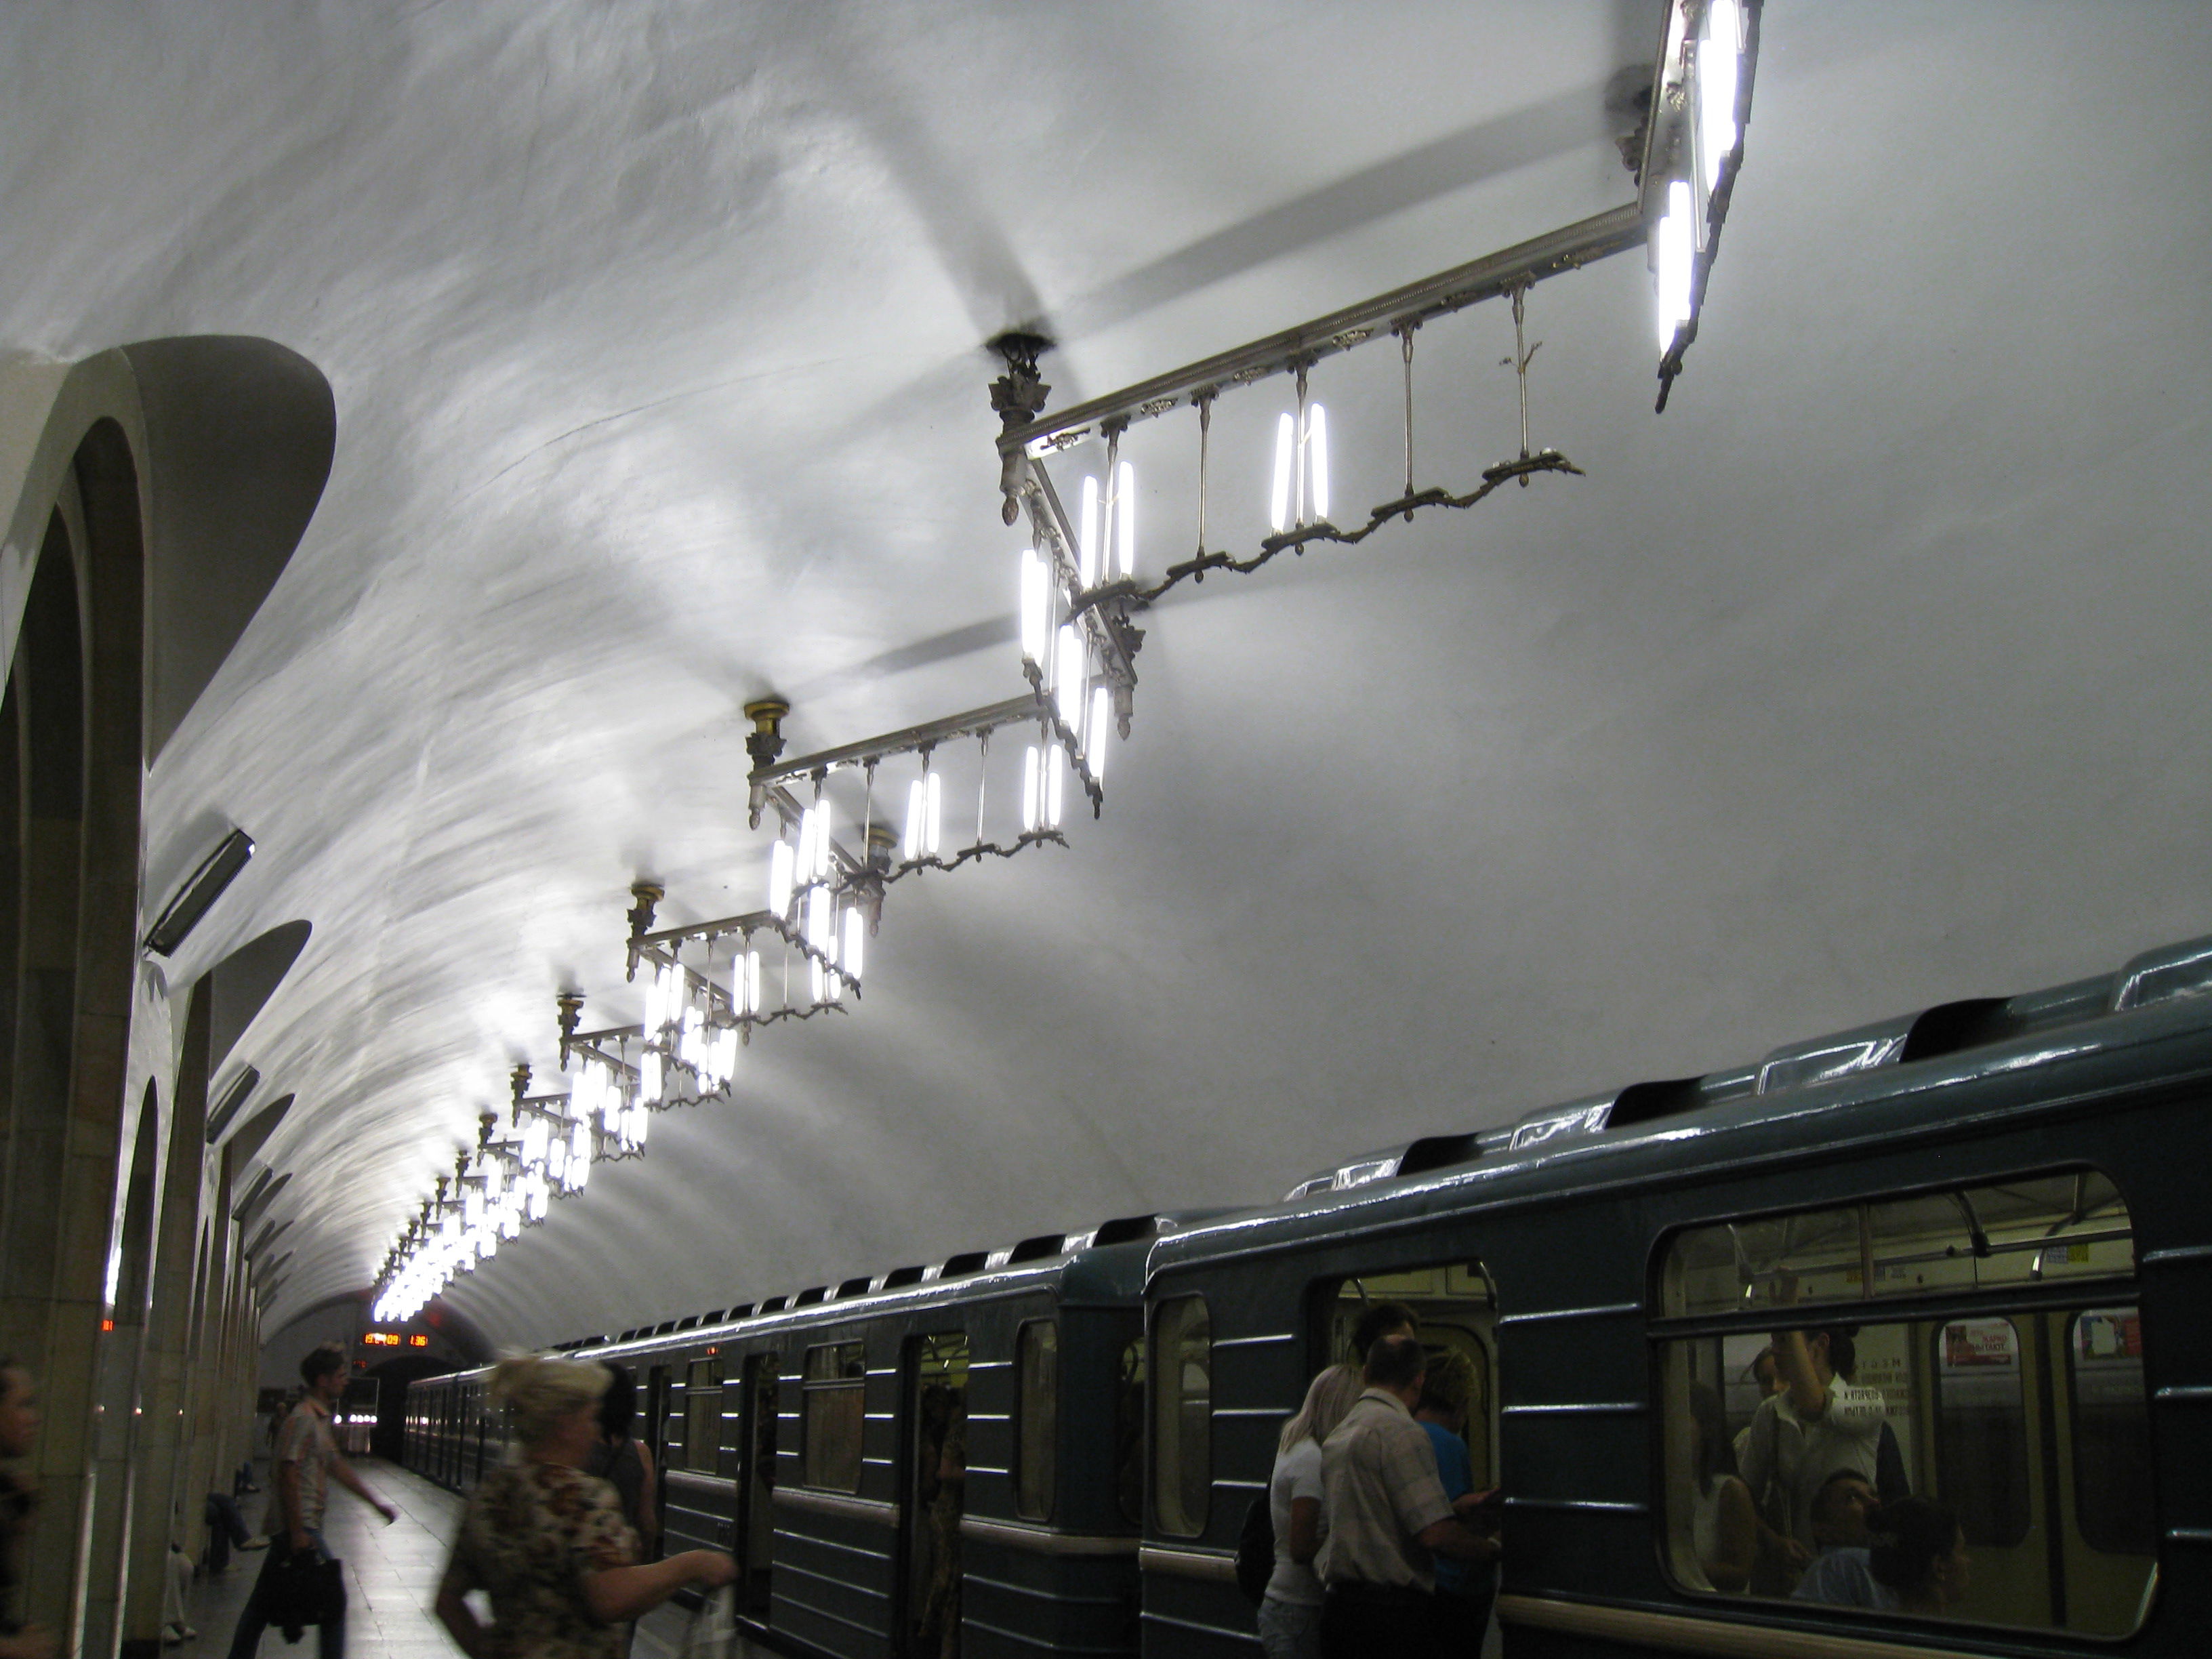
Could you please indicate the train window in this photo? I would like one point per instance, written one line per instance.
(1981, 1428)
(1037, 1430)
(1182, 1415)
(2111, 1431)
(834, 1395)
(703, 1415)
(2031, 1230)
(1129, 1433)
(1792, 1433)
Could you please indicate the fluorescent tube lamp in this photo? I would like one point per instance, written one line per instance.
(233, 1098)
(1125, 520)
(1087, 544)
(216, 872)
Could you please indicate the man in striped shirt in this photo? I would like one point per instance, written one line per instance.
(1387, 1517)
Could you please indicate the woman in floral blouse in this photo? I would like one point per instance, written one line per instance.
(547, 1542)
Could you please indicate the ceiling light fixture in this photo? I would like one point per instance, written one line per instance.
(1693, 151)
(708, 985)
(204, 886)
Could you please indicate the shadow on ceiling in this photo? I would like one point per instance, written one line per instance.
(239, 435)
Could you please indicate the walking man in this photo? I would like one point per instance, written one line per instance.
(1388, 1518)
(307, 1459)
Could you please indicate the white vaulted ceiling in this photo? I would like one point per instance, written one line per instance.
(1869, 675)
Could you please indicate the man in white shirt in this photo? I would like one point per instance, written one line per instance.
(1818, 1425)
(1387, 1517)
(307, 1460)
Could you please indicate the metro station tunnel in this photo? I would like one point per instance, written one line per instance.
(956, 830)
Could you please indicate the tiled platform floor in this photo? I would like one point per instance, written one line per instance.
(391, 1579)
(392, 1573)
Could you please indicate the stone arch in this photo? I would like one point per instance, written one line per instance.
(71, 744)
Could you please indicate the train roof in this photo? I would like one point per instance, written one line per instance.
(1816, 1093)
(1104, 1263)
(1836, 1082)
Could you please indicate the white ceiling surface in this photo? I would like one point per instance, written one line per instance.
(1868, 675)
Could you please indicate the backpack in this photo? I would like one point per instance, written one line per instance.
(1255, 1551)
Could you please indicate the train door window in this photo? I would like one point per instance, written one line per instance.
(1036, 1372)
(2021, 1428)
(2111, 1433)
(703, 1415)
(1981, 1428)
(1129, 1433)
(1182, 1415)
(756, 1445)
(833, 1407)
(1455, 1315)
(936, 1487)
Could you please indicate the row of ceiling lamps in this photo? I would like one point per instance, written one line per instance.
(708, 984)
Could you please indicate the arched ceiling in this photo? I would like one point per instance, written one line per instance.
(1868, 675)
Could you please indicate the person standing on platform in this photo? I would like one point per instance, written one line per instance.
(622, 1460)
(307, 1460)
(1290, 1607)
(1388, 1519)
(19, 1432)
(1464, 1593)
(547, 1542)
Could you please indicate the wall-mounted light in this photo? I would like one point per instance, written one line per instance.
(233, 1098)
(205, 885)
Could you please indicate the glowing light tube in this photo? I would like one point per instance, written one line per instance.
(1317, 459)
(1676, 248)
(1125, 518)
(1717, 66)
(779, 861)
(1087, 546)
(1055, 777)
(819, 934)
(916, 806)
(1278, 508)
(1031, 802)
(1067, 677)
(649, 1079)
(752, 982)
(1036, 607)
(848, 954)
(932, 818)
(1095, 731)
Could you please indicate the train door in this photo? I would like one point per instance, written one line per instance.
(700, 1497)
(1454, 1310)
(757, 1393)
(656, 1442)
(933, 1394)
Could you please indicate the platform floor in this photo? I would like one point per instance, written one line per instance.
(391, 1579)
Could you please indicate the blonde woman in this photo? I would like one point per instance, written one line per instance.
(547, 1542)
(1290, 1609)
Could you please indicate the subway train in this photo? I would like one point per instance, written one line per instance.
(1052, 1447)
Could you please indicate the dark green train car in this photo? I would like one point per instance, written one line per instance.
(951, 1451)
(2006, 1200)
